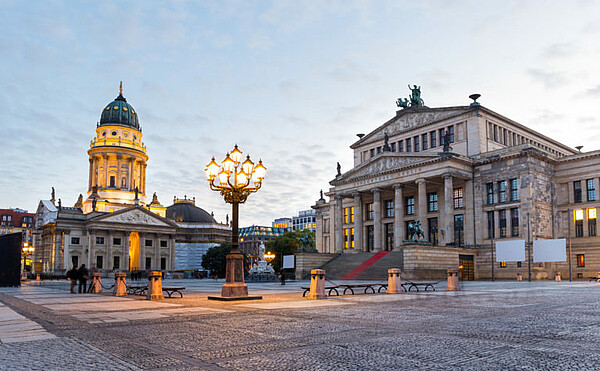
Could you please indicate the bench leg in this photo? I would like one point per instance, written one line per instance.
(369, 287)
(304, 293)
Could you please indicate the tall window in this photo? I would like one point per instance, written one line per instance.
(372, 152)
(502, 222)
(424, 141)
(458, 198)
(99, 261)
(370, 238)
(416, 139)
(514, 222)
(490, 193)
(502, 191)
(369, 210)
(389, 208)
(591, 190)
(580, 260)
(432, 139)
(491, 224)
(591, 221)
(432, 202)
(459, 239)
(389, 236)
(433, 230)
(441, 135)
(514, 190)
(348, 238)
(393, 147)
(116, 262)
(410, 205)
(112, 181)
(401, 146)
(451, 132)
(408, 145)
(579, 223)
(577, 191)
(348, 215)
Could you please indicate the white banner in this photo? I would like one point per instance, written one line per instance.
(288, 261)
(510, 251)
(550, 250)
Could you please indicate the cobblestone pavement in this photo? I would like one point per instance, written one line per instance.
(488, 325)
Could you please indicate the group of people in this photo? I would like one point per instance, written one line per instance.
(80, 275)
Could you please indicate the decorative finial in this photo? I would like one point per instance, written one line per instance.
(579, 148)
(121, 88)
(474, 97)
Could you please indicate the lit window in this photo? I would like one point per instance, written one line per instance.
(349, 238)
(580, 260)
(591, 213)
(579, 214)
(458, 198)
(502, 264)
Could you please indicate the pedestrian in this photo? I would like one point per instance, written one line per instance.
(73, 275)
(282, 276)
(92, 271)
(83, 276)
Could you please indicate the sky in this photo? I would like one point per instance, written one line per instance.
(291, 82)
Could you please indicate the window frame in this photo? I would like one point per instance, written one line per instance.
(409, 205)
(432, 202)
(591, 191)
(458, 198)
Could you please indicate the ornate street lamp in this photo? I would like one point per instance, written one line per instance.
(26, 251)
(269, 257)
(235, 180)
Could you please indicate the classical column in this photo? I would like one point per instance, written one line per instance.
(109, 246)
(91, 248)
(398, 216)
(91, 175)
(130, 175)
(377, 245)
(422, 207)
(339, 224)
(125, 266)
(105, 163)
(118, 176)
(142, 246)
(358, 223)
(66, 253)
(172, 252)
(95, 171)
(157, 252)
(143, 180)
(448, 214)
(57, 261)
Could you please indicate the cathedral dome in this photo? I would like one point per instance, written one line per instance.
(187, 212)
(119, 112)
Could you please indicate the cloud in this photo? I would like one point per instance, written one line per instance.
(560, 50)
(549, 79)
(594, 91)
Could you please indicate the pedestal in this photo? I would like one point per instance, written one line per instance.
(452, 280)
(394, 282)
(234, 287)
(96, 283)
(120, 286)
(317, 285)
(155, 286)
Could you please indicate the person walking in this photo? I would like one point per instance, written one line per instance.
(73, 275)
(83, 276)
(282, 276)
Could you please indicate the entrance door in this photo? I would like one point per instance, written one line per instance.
(134, 251)
(389, 237)
(433, 230)
(370, 238)
(466, 267)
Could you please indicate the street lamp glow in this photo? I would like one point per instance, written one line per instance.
(269, 256)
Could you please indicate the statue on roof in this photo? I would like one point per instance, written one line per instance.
(53, 194)
(94, 204)
(447, 140)
(415, 98)
(321, 195)
(339, 169)
(386, 143)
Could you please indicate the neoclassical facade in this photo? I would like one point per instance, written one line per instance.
(495, 179)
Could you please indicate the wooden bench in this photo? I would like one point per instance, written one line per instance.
(172, 290)
(368, 287)
(137, 290)
(597, 279)
(415, 285)
(330, 290)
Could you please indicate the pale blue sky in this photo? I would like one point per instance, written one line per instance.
(291, 82)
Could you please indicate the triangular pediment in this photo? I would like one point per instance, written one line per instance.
(384, 162)
(134, 215)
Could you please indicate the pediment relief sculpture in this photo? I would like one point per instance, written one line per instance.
(135, 217)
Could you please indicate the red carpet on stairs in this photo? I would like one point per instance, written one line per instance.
(364, 265)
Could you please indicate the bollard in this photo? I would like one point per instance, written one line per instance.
(96, 283)
(452, 280)
(519, 277)
(155, 286)
(317, 284)
(394, 281)
(37, 277)
(557, 277)
(120, 286)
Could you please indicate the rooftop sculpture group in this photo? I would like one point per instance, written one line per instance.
(415, 98)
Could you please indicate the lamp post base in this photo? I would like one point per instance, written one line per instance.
(234, 287)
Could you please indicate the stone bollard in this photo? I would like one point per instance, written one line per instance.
(394, 281)
(452, 280)
(96, 283)
(557, 277)
(120, 286)
(155, 286)
(519, 277)
(317, 284)
(37, 277)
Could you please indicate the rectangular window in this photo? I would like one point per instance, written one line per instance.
(433, 230)
(514, 222)
(389, 236)
(369, 211)
(116, 262)
(577, 191)
(579, 223)
(370, 238)
(490, 193)
(372, 152)
(459, 239)
(99, 240)
(591, 189)
(348, 215)
(148, 263)
(410, 205)
(495, 134)
(502, 264)
(458, 198)
(451, 133)
(432, 139)
(378, 150)
(401, 146)
(393, 147)
(441, 135)
(424, 141)
(591, 222)
(348, 238)
(148, 243)
(416, 141)
(99, 261)
(580, 260)
(502, 222)
(74, 240)
(117, 241)
(389, 208)
(514, 190)
(491, 224)
(502, 191)
(163, 263)
(432, 202)
(408, 145)
(163, 243)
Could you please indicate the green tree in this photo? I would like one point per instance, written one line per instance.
(215, 259)
(288, 244)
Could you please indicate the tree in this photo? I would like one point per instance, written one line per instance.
(288, 244)
(215, 259)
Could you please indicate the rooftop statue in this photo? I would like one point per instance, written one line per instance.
(415, 98)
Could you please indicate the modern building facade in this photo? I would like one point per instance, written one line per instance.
(251, 237)
(283, 223)
(493, 179)
(306, 219)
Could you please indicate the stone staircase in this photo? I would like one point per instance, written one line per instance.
(344, 264)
